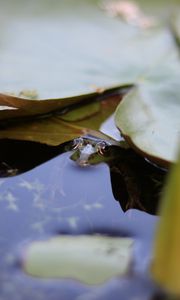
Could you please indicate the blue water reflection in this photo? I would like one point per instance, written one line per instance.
(59, 197)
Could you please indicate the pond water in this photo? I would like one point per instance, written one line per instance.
(59, 197)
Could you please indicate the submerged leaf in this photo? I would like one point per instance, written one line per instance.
(54, 130)
(166, 262)
(89, 259)
(82, 112)
(28, 108)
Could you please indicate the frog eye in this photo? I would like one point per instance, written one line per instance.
(77, 143)
(101, 147)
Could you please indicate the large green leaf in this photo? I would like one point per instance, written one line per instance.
(67, 48)
(148, 116)
(90, 259)
(166, 263)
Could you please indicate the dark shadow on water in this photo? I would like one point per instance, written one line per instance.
(17, 157)
(135, 182)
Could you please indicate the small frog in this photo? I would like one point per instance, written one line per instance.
(90, 150)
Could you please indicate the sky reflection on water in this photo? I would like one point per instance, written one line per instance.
(58, 197)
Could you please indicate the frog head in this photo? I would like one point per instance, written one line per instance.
(91, 151)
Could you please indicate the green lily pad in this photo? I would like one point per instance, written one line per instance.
(67, 49)
(166, 263)
(148, 117)
(89, 259)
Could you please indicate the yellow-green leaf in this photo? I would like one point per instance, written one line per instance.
(166, 262)
(54, 130)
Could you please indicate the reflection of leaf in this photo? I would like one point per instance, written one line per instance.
(166, 263)
(90, 259)
(149, 115)
(135, 182)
